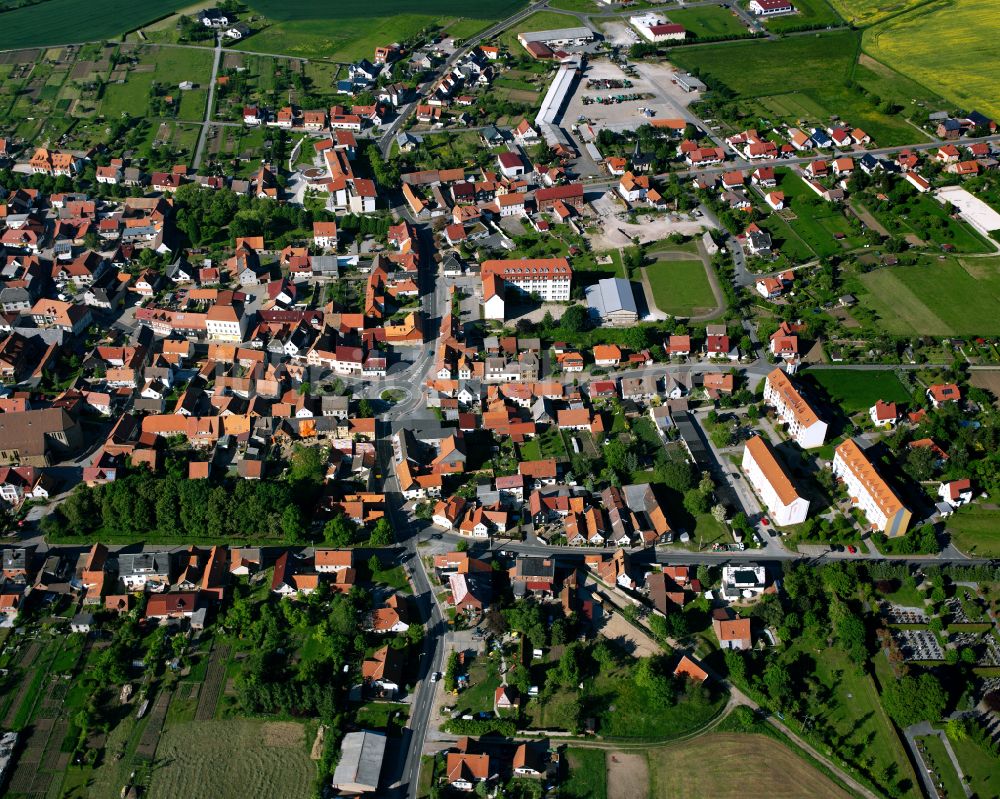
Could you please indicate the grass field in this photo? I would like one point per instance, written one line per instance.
(951, 37)
(588, 775)
(765, 768)
(708, 21)
(172, 65)
(979, 766)
(815, 221)
(857, 391)
(66, 21)
(937, 759)
(680, 288)
(351, 29)
(975, 530)
(861, 13)
(809, 70)
(810, 12)
(197, 759)
(940, 297)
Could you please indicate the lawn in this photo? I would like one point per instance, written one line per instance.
(975, 530)
(197, 759)
(588, 774)
(814, 67)
(394, 578)
(849, 709)
(680, 288)
(979, 766)
(862, 13)
(950, 37)
(856, 391)
(351, 29)
(936, 758)
(530, 450)
(765, 768)
(941, 297)
(172, 65)
(63, 21)
(708, 21)
(810, 13)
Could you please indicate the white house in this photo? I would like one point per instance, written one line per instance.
(956, 493)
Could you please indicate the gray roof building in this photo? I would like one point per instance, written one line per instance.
(612, 301)
(361, 755)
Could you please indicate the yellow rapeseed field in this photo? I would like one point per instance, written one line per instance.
(868, 12)
(949, 46)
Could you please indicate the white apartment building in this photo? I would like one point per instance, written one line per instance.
(868, 491)
(550, 278)
(772, 484)
(808, 430)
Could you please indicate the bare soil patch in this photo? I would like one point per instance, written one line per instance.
(628, 776)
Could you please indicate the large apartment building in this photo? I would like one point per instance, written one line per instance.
(808, 430)
(868, 491)
(549, 278)
(772, 484)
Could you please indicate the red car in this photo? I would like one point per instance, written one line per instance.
(852, 549)
(764, 521)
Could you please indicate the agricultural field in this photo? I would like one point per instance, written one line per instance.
(197, 759)
(680, 287)
(857, 391)
(679, 772)
(709, 21)
(811, 13)
(940, 297)
(65, 21)
(862, 13)
(949, 37)
(759, 73)
(347, 31)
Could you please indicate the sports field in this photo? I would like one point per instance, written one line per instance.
(765, 768)
(854, 390)
(957, 38)
(69, 21)
(233, 758)
(680, 288)
(351, 29)
(796, 78)
(867, 12)
(708, 21)
(938, 297)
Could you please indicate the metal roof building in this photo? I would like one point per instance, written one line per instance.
(612, 300)
(361, 755)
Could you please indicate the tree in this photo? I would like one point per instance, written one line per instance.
(910, 699)
(676, 474)
(382, 534)
(340, 531)
(574, 319)
(365, 410)
(719, 513)
(695, 502)
(778, 682)
(293, 525)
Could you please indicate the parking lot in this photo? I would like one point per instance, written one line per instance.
(654, 82)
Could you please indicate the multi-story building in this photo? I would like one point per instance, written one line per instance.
(772, 483)
(804, 425)
(868, 491)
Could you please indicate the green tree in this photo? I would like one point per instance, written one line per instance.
(381, 534)
(695, 502)
(574, 319)
(340, 531)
